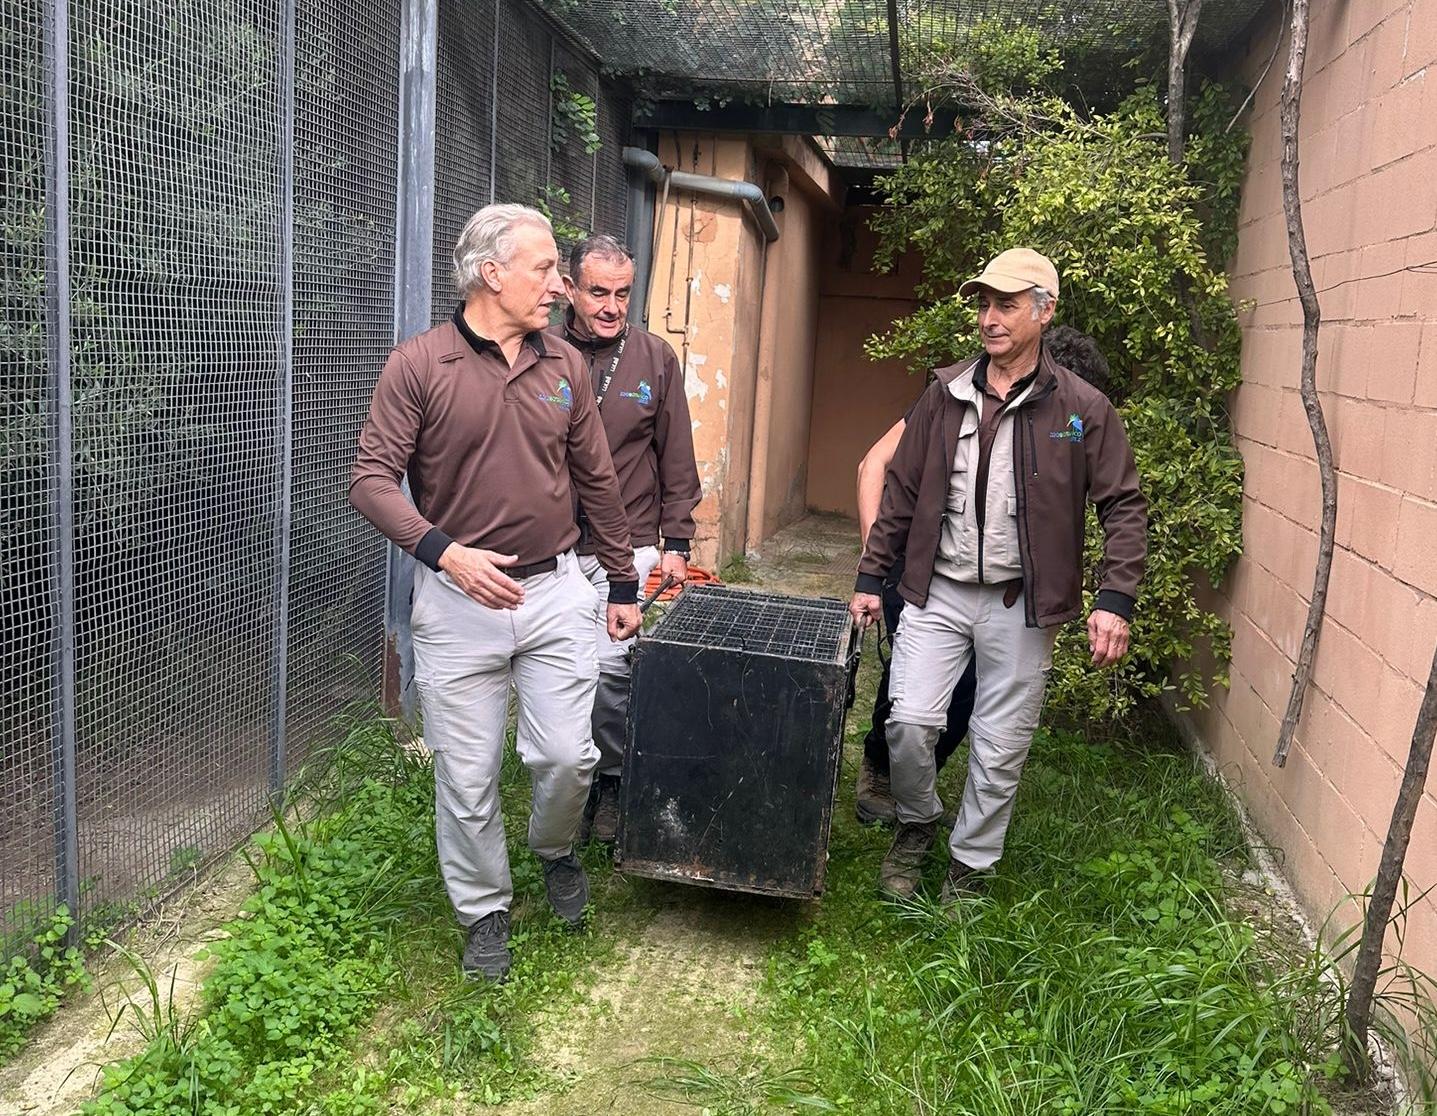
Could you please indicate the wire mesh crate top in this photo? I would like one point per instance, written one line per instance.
(804, 628)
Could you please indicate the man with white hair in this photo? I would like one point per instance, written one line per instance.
(496, 425)
(985, 496)
(640, 392)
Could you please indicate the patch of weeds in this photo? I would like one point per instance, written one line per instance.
(338, 989)
(737, 570)
(1099, 972)
(36, 979)
(746, 1090)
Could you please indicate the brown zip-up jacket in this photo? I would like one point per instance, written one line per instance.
(645, 412)
(1069, 446)
(494, 454)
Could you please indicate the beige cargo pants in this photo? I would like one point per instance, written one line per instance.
(611, 696)
(931, 650)
(466, 657)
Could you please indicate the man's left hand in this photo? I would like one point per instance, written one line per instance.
(623, 621)
(675, 564)
(1107, 637)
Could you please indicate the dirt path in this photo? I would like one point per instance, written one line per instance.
(59, 1067)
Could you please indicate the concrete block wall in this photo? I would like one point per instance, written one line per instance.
(1369, 188)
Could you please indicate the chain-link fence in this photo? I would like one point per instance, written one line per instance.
(199, 259)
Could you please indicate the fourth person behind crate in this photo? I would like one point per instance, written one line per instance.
(985, 499)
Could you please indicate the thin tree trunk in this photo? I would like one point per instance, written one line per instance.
(1311, 319)
(1389, 876)
(1182, 26)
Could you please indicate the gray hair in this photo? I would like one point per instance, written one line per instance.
(489, 235)
(1042, 299)
(599, 246)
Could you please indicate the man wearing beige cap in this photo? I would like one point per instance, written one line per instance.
(985, 495)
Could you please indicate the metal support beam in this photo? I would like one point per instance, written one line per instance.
(792, 119)
(897, 65)
(278, 760)
(413, 292)
(57, 296)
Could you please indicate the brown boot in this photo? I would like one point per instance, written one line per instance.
(873, 799)
(961, 882)
(606, 813)
(903, 866)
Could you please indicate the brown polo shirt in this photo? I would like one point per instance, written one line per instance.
(495, 455)
(651, 440)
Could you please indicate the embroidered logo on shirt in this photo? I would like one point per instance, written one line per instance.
(645, 394)
(1073, 432)
(564, 399)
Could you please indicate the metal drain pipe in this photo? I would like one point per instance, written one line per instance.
(747, 192)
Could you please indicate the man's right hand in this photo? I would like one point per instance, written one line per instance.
(865, 608)
(479, 573)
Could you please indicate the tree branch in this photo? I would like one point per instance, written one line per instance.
(1384, 888)
(1182, 26)
(1311, 319)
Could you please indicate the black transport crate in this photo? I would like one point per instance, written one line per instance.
(735, 730)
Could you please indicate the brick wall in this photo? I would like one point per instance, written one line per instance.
(1369, 188)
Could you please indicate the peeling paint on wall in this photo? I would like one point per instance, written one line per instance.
(724, 292)
(694, 385)
(720, 380)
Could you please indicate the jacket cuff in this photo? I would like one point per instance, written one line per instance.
(678, 546)
(1110, 600)
(869, 583)
(434, 543)
(624, 592)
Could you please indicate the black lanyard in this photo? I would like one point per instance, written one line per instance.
(602, 389)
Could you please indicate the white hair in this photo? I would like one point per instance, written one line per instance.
(1042, 299)
(489, 235)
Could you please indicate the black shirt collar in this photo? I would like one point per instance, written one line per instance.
(586, 342)
(980, 376)
(482, 345)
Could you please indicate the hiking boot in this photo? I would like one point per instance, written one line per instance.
(567, 887)
(605, 829)
(961, 882)
(586, 822)
(873, 800)
(486, 953)
(903, 866)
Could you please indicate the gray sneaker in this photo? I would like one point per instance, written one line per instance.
(568, 888)
(873, 797)
(902, 868)
(486, 953)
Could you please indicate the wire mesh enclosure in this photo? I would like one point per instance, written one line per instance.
(735, 730)
(200, 247)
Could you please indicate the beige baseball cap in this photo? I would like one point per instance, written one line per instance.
(1015, 270)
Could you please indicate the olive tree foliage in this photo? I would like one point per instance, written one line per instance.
(1140, 244)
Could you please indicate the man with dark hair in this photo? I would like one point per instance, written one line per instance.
(645, 414)
(985, 498)
(873, 799)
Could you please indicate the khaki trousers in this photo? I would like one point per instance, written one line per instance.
(931, 649)
(611, 696)
(466, 657)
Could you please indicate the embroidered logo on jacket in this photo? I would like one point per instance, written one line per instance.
(1073, 432)
(564, 399)
(645, 394)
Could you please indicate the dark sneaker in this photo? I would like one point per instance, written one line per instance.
(486, 953)
(961, 882)
(903, 866)
(568, 888)
(606, 813)
(873, 801)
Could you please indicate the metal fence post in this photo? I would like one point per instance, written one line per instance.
(278, 741)
(57, 293)
(413, 291)
(494, 112)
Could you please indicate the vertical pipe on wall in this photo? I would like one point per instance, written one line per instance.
(413, 292)
(57, 294)
(285, 401)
